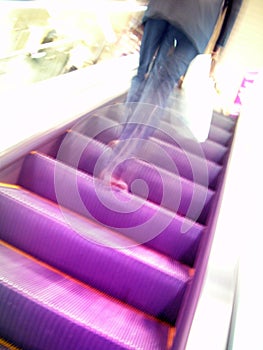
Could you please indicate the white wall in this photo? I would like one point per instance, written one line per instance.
(243, 215)
(243, 52)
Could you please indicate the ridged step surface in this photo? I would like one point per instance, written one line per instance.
(219, 135)
(41, 308)
(166, 189)
(159, 185)
(220, 129)
(106, 130)
(132, 216)
(84, 152)
(106, 260)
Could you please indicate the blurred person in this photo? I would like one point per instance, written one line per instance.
(176, 31)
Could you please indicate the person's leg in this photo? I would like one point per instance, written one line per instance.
(171, 63)
(154, 30)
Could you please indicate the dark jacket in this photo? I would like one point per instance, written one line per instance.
(196, 18)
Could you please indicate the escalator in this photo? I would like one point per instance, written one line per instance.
(86, 265)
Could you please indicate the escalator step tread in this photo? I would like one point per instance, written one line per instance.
(208, 149)
(105, 130)
(189, 199)
(220, 129)
(219, 135)
(223, 121)
(166, 189)
(181, 162)
(102, 258)
(130, 215)
(84, 153)
(64, 314)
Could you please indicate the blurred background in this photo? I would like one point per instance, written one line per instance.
(43, 39)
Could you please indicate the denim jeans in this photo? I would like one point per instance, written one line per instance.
(170, 64)
(150, 94)
(153, 34)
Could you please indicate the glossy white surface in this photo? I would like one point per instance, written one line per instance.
(40, 107)
(246, 180)
(236, 256)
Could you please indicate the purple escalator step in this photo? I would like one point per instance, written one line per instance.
(85, 154)
(220, 129)
(219, 135)
(163, 188)
(105, 130)
(168, 190)
(139, 219)
(41, 308)
(218, 119)
(99, 128)
(208, 149)
(180, 162)
(80, 152)
(224, 121)
(213, 151)
(95, 255)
